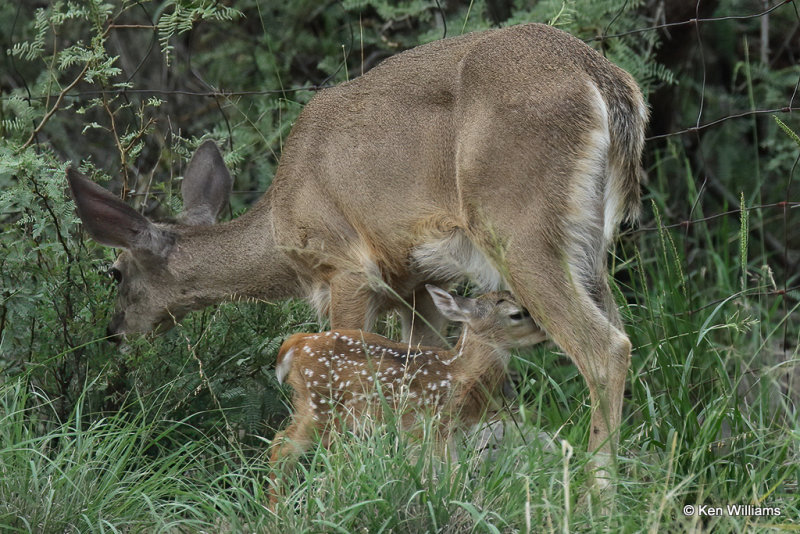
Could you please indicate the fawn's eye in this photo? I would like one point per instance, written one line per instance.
(115, 273)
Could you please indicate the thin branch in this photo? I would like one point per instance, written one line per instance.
(55, 107)
(131, 27)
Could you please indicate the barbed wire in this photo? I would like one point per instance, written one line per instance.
(689, 222)
(694, 129)
(750, 292)
(223, 92)
(689, 22)
(228, 94)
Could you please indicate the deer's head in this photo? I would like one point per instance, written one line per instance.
(497, 318)
(153, 292)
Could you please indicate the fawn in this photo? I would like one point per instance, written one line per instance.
(335, 375)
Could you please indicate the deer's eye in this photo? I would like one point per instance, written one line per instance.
(115, 273)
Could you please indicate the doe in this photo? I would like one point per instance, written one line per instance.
(335, 375)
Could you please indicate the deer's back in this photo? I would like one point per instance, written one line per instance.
(487, 125)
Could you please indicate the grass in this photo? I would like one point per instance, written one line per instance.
(135, 474)
(710, 420)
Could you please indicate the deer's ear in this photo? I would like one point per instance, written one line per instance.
(110, 221)
(453, 307)
(206, 187)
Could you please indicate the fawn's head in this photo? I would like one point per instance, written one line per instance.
(150, 297)
(496, 318)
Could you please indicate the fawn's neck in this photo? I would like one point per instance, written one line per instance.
(480, 369)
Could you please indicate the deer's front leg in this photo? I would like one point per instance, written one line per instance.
(353, 303)
(422, 322)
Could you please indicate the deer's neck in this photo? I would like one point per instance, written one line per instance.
(239, 259)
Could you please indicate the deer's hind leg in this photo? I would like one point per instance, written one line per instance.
(560, 302)
(567, 293)
(545, 222)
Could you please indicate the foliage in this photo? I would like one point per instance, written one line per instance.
(171, 433)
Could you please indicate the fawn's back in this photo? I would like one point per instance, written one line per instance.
(342, 369)
(349, 371)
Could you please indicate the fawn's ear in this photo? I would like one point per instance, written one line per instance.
(111, 222)
(206, 186)
(453, 307)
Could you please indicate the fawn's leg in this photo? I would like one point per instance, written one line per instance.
(288, 446)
